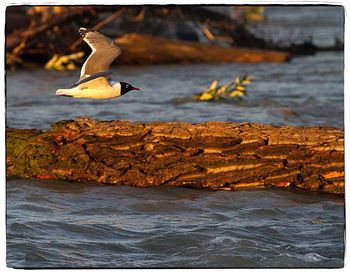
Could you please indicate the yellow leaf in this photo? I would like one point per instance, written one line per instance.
(236, 93)
(71, 66)
(240, 88)
(49, 65)
(223, 89)
(213, 85)
(220, 91)
(206, 97)
(63, 62)
(63, 59)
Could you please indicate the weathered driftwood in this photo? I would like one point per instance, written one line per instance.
(145, 49)
(211, 155)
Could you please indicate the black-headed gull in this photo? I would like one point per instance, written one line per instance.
(95, 77)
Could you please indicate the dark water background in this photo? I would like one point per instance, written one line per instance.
(61, 224)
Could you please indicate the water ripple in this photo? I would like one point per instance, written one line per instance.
(170, 227)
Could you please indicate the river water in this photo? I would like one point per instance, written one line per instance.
(61, 224)
(306, 91)
(55, 224)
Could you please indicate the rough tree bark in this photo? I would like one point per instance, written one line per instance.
(211, 155)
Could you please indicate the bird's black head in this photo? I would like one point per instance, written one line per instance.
(126, 87)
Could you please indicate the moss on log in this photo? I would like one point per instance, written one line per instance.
(211, 155)
(145, 49)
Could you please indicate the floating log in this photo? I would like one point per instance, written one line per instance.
(211, 155)
(145, 49)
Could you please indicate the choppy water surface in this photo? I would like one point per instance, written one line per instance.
(60, 224)
(55, 224)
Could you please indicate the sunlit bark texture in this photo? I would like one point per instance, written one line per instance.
(211, 155)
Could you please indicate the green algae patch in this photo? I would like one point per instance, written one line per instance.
(28, 153)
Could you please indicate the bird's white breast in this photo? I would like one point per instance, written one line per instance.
(116, 87)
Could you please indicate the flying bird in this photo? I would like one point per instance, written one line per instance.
(95, 77)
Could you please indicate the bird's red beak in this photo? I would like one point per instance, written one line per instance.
(137, 89)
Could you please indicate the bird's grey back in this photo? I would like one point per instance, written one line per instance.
(91, 77)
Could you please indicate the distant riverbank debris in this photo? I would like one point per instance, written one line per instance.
(35, 33)
(63, 62)
(251, 14)
(233, 89)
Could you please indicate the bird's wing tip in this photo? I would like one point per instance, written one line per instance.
(84, 31)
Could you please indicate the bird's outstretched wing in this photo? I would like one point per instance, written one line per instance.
(104, 51)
